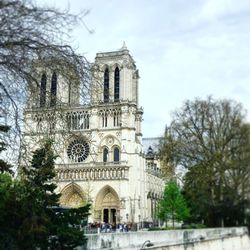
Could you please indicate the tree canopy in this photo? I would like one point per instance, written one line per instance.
(210, 139)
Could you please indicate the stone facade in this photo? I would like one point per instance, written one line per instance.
(100, 146)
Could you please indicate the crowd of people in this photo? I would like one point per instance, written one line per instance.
(110, 228)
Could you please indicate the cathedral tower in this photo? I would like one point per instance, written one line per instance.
(101, 158)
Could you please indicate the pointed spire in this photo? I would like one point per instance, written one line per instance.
(124, 47)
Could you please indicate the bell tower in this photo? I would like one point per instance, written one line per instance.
(52, 90)
(115, 81)
(115, 77)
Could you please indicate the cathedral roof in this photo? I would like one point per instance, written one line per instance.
(151, 144)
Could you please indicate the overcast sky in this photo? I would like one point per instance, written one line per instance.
(182, 48)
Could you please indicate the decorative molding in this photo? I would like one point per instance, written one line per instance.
(97, 173)
(101, 135)
(110, 141)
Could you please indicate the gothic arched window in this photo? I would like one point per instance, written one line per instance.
(116, 154)
(43, 90)
(105, 154)
(106, 86)
(117, 85)
(53, 90)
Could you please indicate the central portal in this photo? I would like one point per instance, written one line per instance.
(107, 206)
(109, 215)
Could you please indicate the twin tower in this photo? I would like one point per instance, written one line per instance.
(99, 143)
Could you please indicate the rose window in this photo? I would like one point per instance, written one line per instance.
(78, 150)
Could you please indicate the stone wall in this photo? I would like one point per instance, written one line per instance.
(195, 239)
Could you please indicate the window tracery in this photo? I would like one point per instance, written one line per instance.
(116, 118)
(78, 150)
(45, 121)
(104, 119)
(110, 116)
(78, 120)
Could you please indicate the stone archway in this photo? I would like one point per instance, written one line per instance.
(72, 196)
(107, 206)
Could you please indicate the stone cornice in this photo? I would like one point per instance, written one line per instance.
(87, 107)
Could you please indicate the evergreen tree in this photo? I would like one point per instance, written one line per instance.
(40, 199)
(31, 217)
(10, 212)
(48, 225)
(9, 200)
(4, 166)
(173, 206)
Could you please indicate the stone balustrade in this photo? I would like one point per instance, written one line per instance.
(235, 238)
(99, 171)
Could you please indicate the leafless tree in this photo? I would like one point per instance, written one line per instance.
(35, 39)
(211, 139)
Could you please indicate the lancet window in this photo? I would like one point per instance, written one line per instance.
(43, 90)
(39, 119)
(110, 117)
(116, 154)
(116, 118)
(53, 90)
(106, 86)
(105, 154)
(104, 119)
(51, 122)
(117, 85)
(78, 120)
(45, 121)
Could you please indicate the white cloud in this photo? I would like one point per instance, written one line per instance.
(183, 49)
(214, 9)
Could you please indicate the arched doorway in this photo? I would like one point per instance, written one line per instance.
(72, 196)
(107, 206)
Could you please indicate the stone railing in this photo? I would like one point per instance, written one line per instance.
(92, 164)
(97, 171)
(197, 239)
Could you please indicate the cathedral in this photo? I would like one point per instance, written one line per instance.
(102, 157)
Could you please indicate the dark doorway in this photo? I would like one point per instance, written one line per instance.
(113, 216)
(106, 215)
